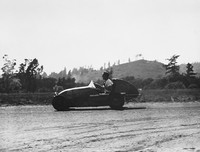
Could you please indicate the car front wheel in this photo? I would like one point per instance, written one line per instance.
(60, 103)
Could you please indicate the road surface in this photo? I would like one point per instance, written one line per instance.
(142, 127)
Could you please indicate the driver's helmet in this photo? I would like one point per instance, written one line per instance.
(105, 74)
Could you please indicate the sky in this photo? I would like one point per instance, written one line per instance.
(75, 33)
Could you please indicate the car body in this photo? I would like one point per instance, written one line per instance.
(93, 95)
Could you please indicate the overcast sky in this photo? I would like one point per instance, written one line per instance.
(74, 33)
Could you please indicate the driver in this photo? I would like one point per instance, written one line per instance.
(107, 82)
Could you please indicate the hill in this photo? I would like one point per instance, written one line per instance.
(139, 69)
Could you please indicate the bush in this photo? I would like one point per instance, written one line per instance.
(157, 84)
(175, 85)
(193, 86)
(44, 90)
(26, 98)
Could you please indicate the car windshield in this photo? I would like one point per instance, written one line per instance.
(91, 85)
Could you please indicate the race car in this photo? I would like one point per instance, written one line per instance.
(94, 95)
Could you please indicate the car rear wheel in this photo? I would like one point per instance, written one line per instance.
(117, 103)
(60, 103)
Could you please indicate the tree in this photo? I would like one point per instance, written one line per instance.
(104, 66)
(9, 65)
(29, 71)
(75, 71)
(175, 85)
(69, 75)
(101, 68)
(8, 70)
(63, 73)
(15, 85)
(138, 56)
(45, 84)
(189, 71)
(44, 75)
(172, 68)
(32, 73)
(190, 75)
(66, 83)
(118, 62)
(108, 64)
(158, 83)
(146, 82)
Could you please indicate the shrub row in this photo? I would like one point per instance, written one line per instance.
(26, 98)
(162, 95)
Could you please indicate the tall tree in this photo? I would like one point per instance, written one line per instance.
(69, 75)
(29, 71)
(172, 68)
(108, 64)
(8, 70)
(189, 71)
(118, 62)
(22, 73)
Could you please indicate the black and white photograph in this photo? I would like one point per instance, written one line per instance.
(99, 75)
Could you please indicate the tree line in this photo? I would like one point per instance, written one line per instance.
(29, 77)
(173, 79)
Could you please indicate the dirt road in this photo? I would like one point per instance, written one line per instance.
(144, 127)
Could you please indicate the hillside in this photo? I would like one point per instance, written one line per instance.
(139, 69)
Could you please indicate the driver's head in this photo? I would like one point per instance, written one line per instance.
(105, 75)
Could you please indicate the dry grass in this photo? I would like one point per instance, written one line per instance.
(26, 98)
(179, 95)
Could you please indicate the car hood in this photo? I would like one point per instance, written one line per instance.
(90, 85)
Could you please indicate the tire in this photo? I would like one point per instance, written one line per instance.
(117, 103)
(60, 103)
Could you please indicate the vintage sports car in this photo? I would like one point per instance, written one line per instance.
(93, 95)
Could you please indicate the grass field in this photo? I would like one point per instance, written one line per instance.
(180, 95)
(26, 98)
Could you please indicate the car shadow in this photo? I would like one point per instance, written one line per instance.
(103, 109)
